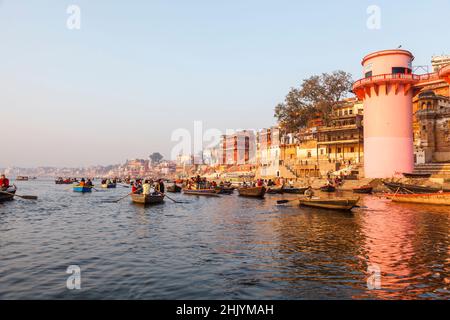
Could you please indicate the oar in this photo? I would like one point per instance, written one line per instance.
(175, 201)
(117, 201)
(22, 197)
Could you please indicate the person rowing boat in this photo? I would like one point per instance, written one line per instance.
(4, 183)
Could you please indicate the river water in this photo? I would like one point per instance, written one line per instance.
(219, 248)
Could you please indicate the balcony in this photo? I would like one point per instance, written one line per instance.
(364, 86)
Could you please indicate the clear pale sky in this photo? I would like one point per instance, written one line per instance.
(137, 70)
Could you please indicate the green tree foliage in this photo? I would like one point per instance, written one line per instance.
(156, 157)
(317, 96)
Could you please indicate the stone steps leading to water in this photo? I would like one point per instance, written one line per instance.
(433, 168)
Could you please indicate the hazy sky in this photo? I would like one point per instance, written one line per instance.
(137, 70)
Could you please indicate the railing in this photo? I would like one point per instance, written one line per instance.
(397, 76)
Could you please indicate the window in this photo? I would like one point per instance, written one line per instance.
(368, 74)
(309, 154)
(321, 151)
(401, 70)
(350, 111)
(424, 128)
(352, 149)
(339, 150)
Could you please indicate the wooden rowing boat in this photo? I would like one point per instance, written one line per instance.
(8, 197)
(417, 175)
(330, 204)
(147, 199)
(109, 186)
(201, 192)
(174, 188)
(22, 178)
(363, 190)
(224, 190)
(328, 188)
(294, 190)
(253, 192)
(274, 190)
(412, 189)
(422, 198)
(82, 189)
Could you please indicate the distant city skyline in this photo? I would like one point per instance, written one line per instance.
(136, 71)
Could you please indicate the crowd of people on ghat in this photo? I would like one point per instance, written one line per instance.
(148, 187)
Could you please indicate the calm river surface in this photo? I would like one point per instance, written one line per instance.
(218, 248)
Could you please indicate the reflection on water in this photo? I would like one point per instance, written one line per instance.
(224, 248)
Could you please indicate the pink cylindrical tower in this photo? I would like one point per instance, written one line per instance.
(387, 92)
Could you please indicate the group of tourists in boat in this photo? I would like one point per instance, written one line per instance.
(148, 191)
(62, 180)
(109, 183)
(85, 185)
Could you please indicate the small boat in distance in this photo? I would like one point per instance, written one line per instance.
(109, 185)
(328, 188)
(8, 194)
(423, 198)
(147, 199)
(340, 204)
(417, 175)
(201, 192)
(252, 192)
(363, 190)
(22, 178)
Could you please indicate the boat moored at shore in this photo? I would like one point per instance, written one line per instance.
(422, 198)
(252, 192)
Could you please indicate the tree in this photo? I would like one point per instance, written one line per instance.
(156, 157)
(317, 95)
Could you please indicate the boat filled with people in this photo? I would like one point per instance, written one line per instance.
(109, 184)
(61, 180)
(84, 186)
